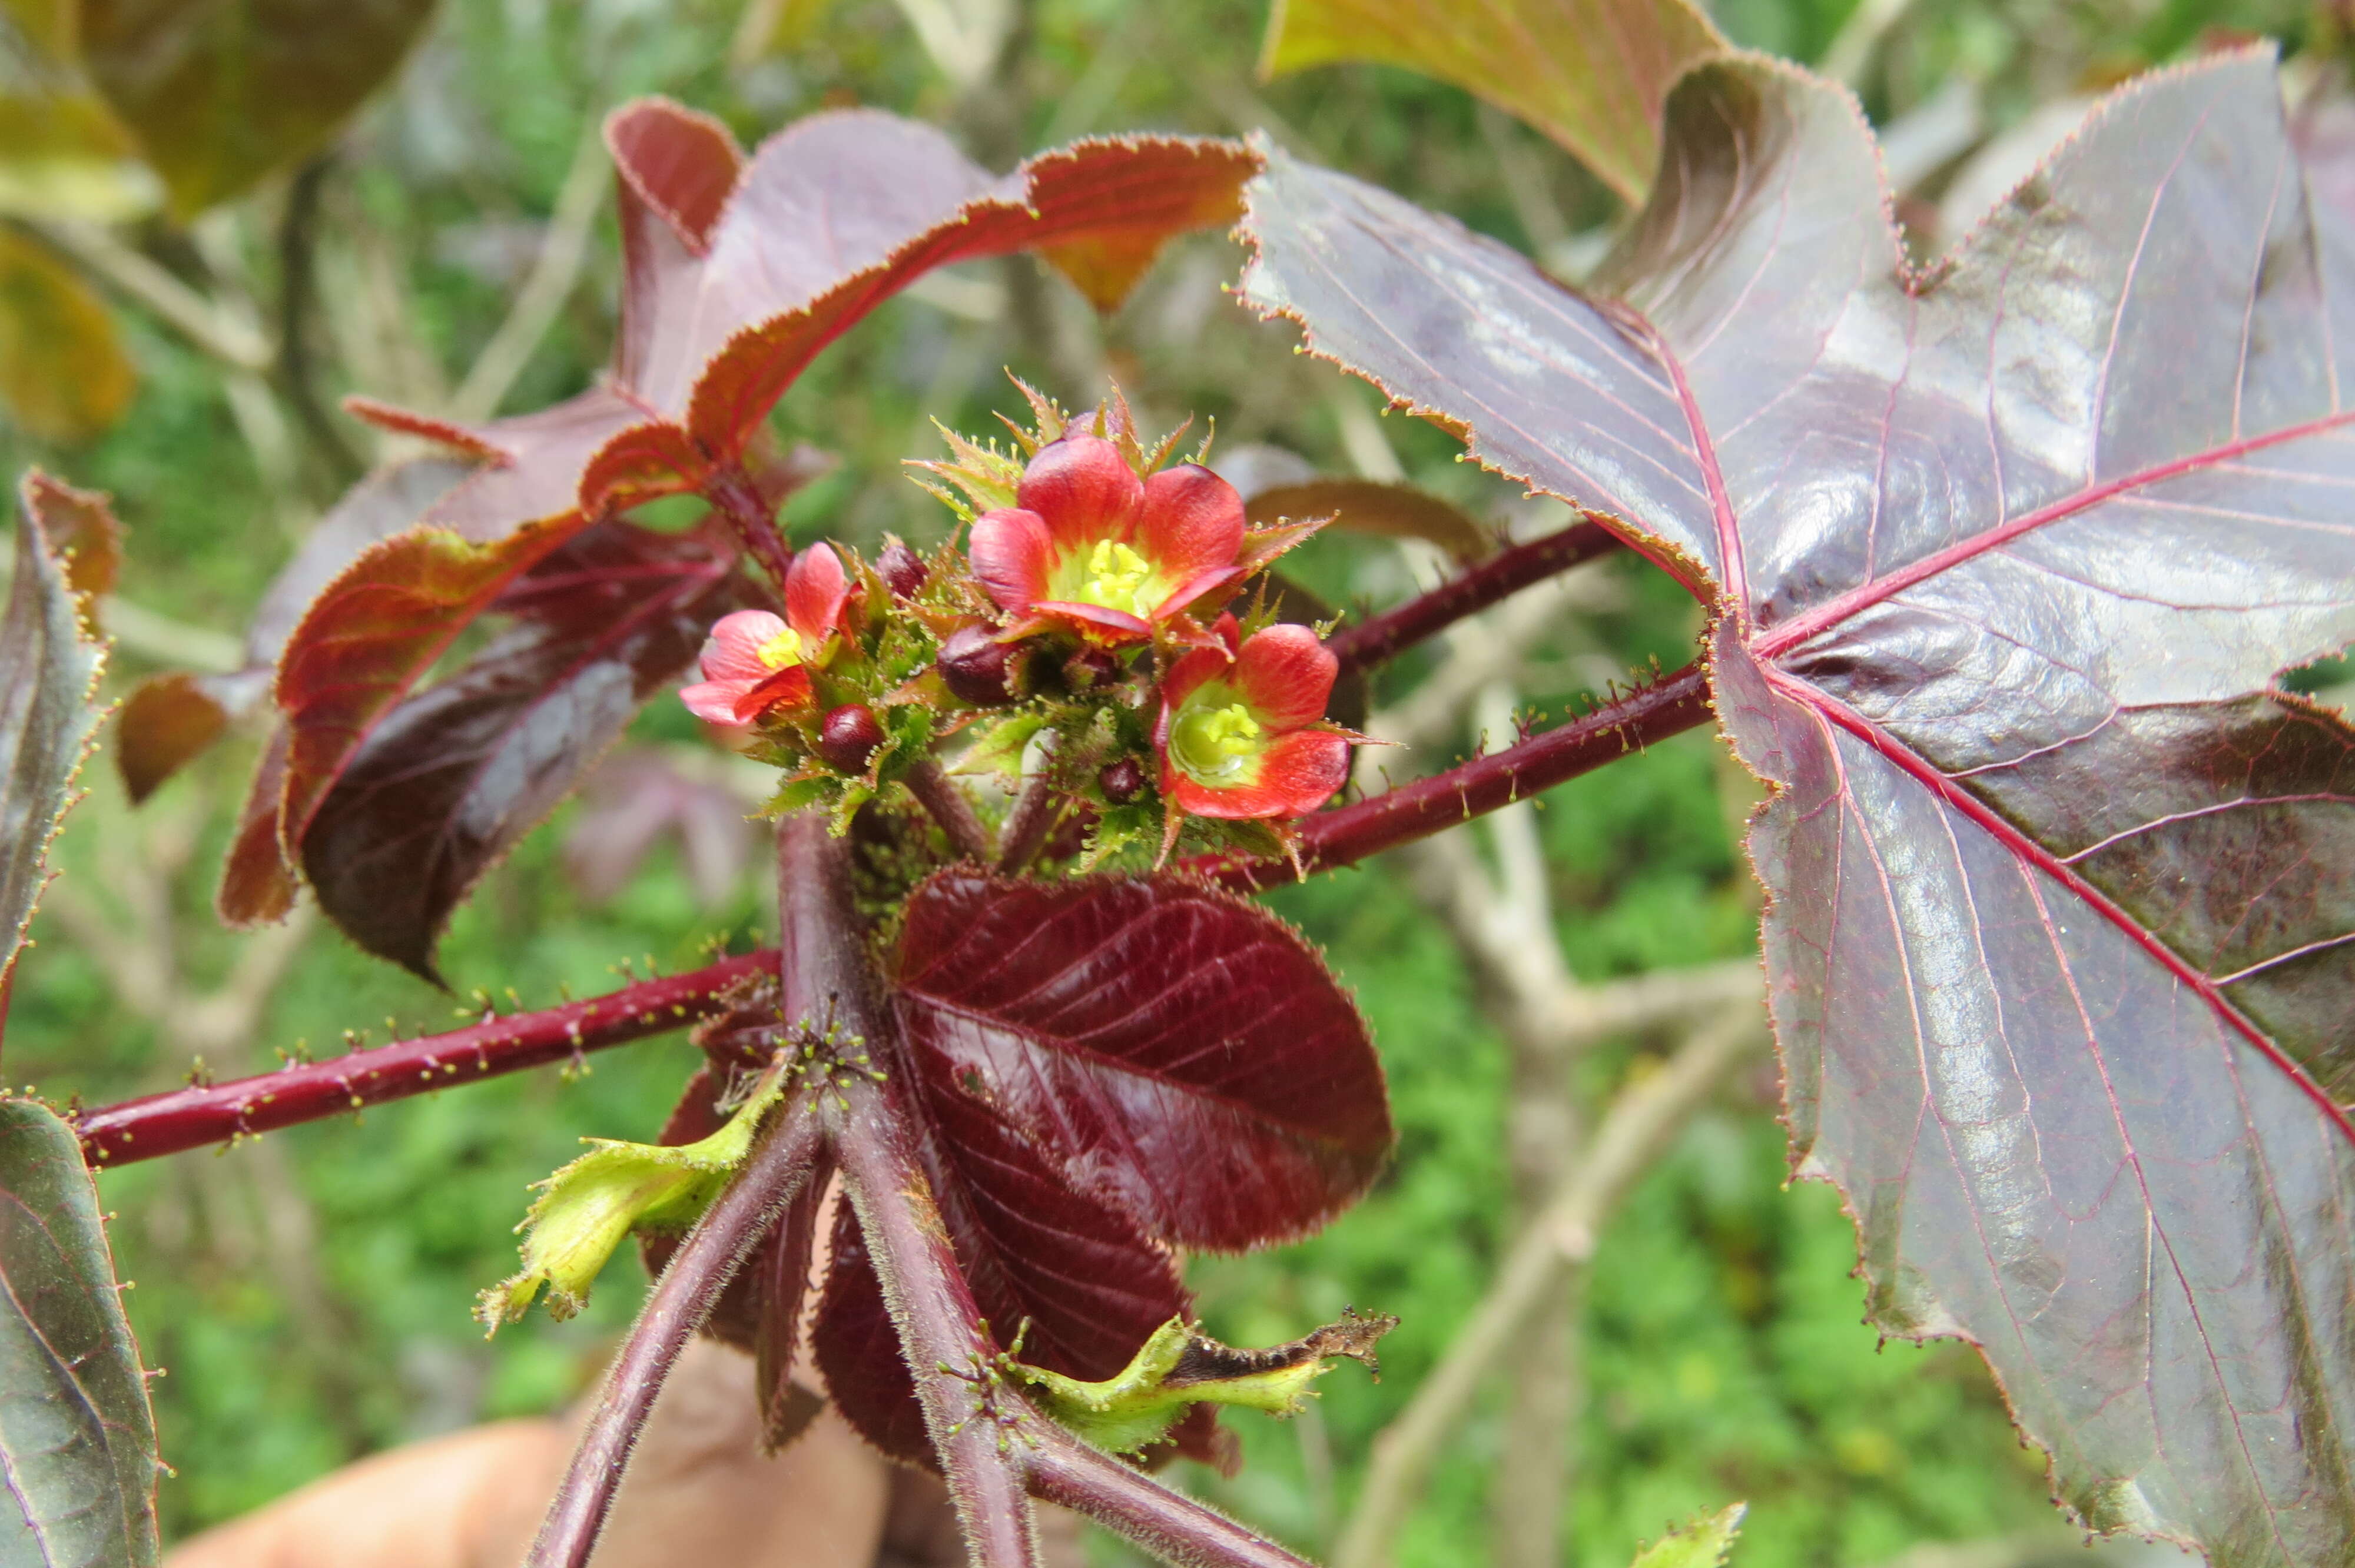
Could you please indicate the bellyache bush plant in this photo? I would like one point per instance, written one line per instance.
(2002, 558)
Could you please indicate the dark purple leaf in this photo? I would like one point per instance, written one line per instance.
(2005, 556)
(49, 660)
(77, 1440)
(1176, 1049)
(447, 782)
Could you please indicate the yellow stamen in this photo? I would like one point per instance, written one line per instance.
(782, 651)
(1119, 579)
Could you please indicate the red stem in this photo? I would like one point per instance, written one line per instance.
(185, 1119)
(948, 805)
(828, 981)
(1676, 703)
(733, 495)
(1390, 634)
(1173, 1527)
(699, 1271)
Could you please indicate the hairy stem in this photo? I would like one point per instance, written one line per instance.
(1036, 811)
(308, 1091)
(735, 497)
(977, 1424)
(1637, 1127)
(681, 1299)
(1392, 633)
(948, 806)
(1674, 704)
(1175, 1528)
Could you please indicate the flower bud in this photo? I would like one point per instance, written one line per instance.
(1122, 782)
(983, 671)
(902, 570)
(1091, 668)
(848, 736)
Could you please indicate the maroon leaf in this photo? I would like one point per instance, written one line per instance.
(1174, 1048)
(737, 275)
(1073, 1265)
(446, 782)
(2005, 556)
(169, 719)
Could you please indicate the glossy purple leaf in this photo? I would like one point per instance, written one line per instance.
(2005, 556)
(448, 781)
(1177, 1048)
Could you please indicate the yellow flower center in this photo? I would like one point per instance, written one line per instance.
(1119, 579)
(782, 651)
(1212, 744)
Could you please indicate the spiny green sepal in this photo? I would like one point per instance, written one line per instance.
(1703, 1543)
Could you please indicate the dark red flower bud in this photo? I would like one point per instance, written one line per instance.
(1122, 782)
(903, 570)
(1091, 668)
(983, 671)
(848, 735)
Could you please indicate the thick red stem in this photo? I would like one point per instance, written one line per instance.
(829, 981)
(949, 807)
(735, 497)
(308, 1091)
(681, 1299)
(1173, 1527)
(1676, 703)
(1390, 634)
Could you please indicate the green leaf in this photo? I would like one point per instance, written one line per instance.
(586, 1209)
(49, 660)
(1592, 74)
(77, 1440)
(63, 373)
(1703, 1543)
(221, 95)
(1180, 1367)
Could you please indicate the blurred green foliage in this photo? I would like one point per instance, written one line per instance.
(310, 1295)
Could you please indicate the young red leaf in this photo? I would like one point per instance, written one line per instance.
(2004, 557)
(1174, 1048)
(170, 718)
(737, 278)
(446, 782)
(1073, 1265)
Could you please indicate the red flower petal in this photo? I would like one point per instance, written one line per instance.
(816, 590)
(1200, 585)
(1192, 521)
(1194, 669)
(1285, 675)
(786, 688)
(1298, 773)
(1083, 488)
(732, 651)
(714, 702)
(1095, 622)
(1011, 553)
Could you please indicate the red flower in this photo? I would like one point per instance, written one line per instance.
(756, 660)
(1238, 734)
(1096, 549)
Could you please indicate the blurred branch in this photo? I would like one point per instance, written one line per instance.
(1642, 1121)
(298, 238)
(564, 251)
(206, 323)
(1858, 39)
